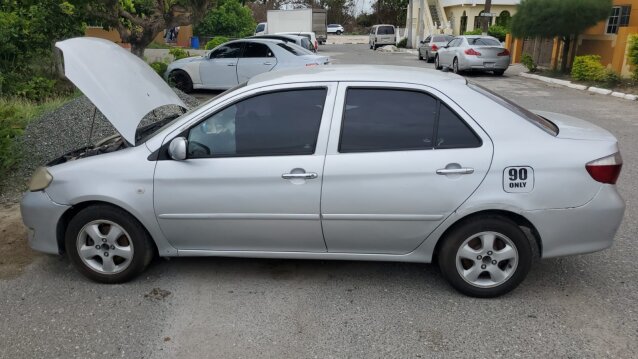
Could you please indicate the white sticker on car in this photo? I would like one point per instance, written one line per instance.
(518, 179)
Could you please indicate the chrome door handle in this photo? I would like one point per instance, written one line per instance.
(232, 64)
(455, 171)
(267, 63)
(307, 175)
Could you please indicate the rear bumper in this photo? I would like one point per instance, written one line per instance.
(584, 229)
(484, 64)
(41, 216)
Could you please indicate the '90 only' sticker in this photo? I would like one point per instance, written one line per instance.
(518, 179)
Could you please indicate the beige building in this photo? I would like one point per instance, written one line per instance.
(453, 16)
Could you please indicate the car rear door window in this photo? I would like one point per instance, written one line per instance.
(254, 49)
(483, 41)
(271, 124)
(228, 51)
(387, 120)
(378, 120)
(453, 132)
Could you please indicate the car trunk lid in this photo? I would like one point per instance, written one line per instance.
(576, 129)
(122, 86)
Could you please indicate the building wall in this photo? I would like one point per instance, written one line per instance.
(454, 14)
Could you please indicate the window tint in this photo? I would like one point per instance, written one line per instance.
(387, 120)
(294, 49)
(228, 51)
(483, 41)
(254, 49)
(452, 132)
(277, 123)
(541, 122)
(386, 30)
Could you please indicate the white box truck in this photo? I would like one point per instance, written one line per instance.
(298, 20)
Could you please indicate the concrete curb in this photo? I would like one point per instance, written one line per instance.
(593, 89)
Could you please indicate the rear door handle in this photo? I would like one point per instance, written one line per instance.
(232, 64)
(307, 175)
(455, 171)
(267, 63)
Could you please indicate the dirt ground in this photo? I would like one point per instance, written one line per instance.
(16, 254)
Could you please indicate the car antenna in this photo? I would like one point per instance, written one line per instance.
(92, 124)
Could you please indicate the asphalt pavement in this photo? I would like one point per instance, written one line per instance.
(580, 307)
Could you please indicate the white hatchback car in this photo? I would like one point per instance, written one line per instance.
(375, 163)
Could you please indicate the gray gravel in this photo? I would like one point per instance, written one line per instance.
(65, 129)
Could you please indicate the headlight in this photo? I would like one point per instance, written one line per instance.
(40, 180)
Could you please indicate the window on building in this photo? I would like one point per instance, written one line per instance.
(463, 28)
(477, 20)
(503, 18)
(619, 17)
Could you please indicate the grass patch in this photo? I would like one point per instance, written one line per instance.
(155, 45)
(15, 115)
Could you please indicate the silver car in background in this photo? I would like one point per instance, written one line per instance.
(381, 35)
(431, 45)
(301, 41)
(375, 163)
(238, 61)
(473, 53)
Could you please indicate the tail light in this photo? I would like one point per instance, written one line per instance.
(434, 47)
(316, 45)
(472, 52)
(505, 52)
(606, 169)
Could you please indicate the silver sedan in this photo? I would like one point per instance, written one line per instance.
(345, 162)
(237, 61)
(473, 53)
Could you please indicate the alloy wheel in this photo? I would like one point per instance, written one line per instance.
(105, 247)
(487, 259)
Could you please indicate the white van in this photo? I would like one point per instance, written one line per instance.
(261, 28)
(382, 35)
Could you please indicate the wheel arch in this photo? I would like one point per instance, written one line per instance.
(64, 220)
(526, 225)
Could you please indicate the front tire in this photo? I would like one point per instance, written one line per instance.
(437, 64)
(486, 256)
(181, 80)
(108, 245)
(339, 32)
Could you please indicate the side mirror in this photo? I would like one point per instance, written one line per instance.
(177, 148)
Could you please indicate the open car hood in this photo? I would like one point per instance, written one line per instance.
(122, 86)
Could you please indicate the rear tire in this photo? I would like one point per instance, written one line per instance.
(485, 256)
(181, 80)
(437, 64)
(455, 66)
(108, 245)
(339, 32)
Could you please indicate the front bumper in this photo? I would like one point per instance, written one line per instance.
(41, 216)
(584, 229)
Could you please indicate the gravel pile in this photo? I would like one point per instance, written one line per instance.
(63, 130)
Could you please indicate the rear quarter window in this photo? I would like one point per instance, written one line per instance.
(528, 115)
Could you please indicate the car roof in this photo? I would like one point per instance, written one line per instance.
(276, 36)
(477, 36)
(248, 39)
(358, 73)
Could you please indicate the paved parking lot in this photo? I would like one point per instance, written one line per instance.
(582, 307)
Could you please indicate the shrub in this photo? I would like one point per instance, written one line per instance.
(403, 43)
(178, 53)
(498, 32)
(474, 32)
(610, 78)
(633, 54)
(36, 89)
(216, 41)
(528, 62)
(588, 68)
(160, 67)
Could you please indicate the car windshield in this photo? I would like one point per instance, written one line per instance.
(260, 28)
(294, 49)
(446, 39)
(537, 120)
(149, 131)
(483, 41)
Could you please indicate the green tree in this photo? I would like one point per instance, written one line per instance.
(565, 19)
(139, 21)
(230, 18)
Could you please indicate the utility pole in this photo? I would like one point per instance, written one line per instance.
(409, 24)
(485, 22)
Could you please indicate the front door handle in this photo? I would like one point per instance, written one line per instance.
(306, 175)
(232, 64)
(455, 171)
(267, 63)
